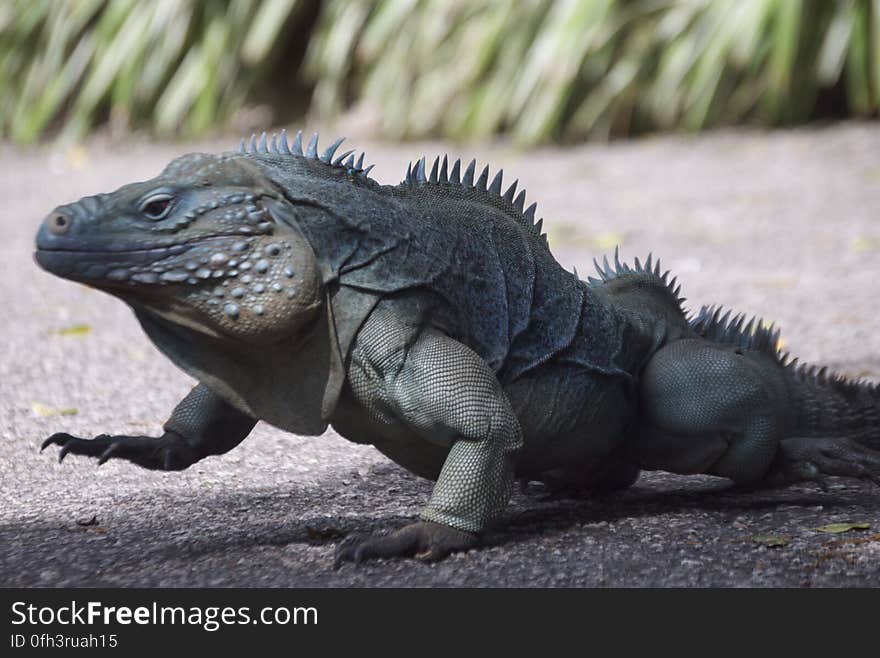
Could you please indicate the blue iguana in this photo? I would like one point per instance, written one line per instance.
(431, 320)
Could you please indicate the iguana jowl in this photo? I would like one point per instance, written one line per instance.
(431, 320)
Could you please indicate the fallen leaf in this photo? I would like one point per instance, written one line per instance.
(837, 528)
(77, 157)
(87, 522)
(771, 541)
(864, 244)
(74, 330)
(45, 412)
(607, 240)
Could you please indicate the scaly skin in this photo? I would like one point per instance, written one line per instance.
(430, 320)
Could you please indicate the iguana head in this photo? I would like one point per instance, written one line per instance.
(200, 245)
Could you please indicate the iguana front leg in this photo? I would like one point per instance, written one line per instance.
(448, 395)
(202, 424)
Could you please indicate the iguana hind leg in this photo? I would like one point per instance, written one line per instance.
(709, 408)
(202, 424)
(815, 459)
(721, 409)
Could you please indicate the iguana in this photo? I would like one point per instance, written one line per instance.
(430, 320)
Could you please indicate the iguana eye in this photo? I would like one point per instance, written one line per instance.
(157, 206)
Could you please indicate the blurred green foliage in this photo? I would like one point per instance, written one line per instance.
(539, 70)
(177, 66)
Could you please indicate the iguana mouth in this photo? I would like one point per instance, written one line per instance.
(166, 264)
(180, 247)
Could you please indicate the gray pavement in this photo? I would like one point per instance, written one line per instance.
(781, 224)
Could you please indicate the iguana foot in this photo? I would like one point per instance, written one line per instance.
(170, 452)
(425, 540)
(807, 459)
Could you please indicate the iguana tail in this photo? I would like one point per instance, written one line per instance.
(829, 405)
(822, 404)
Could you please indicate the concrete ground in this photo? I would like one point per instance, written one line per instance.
(784, 225)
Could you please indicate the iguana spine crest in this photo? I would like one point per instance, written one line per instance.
(278, 145)
(417, 175)
(650, 269)
(714, 323)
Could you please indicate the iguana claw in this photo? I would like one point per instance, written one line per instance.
(814, 459)
(424, 540)
(169, 452)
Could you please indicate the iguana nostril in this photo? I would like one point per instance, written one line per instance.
(58, 223)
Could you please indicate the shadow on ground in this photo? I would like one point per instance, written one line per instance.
(665, 530)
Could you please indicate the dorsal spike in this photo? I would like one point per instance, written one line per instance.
(327, 156)
(252, 145)
(341, 158)
(349, 164)
(359, 165)
(312, 151)
(738, 322)
(273, 143)
(468, 178)
(638, 264)
(366, 172)
(617, 265)
(495, 187)
(648, 266)
(444, 171)
(593, 281)
(574, 270)
(241, 146)
(608, 270)
(420, 171)
(262, 147)
(538, 225)
(529, 213)
(435, 168)
(508, 196)
(282, 143)
(408, 178)
(297, 147)
(455, 174)
(483, 179)
(599, 269)
(520, 200)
